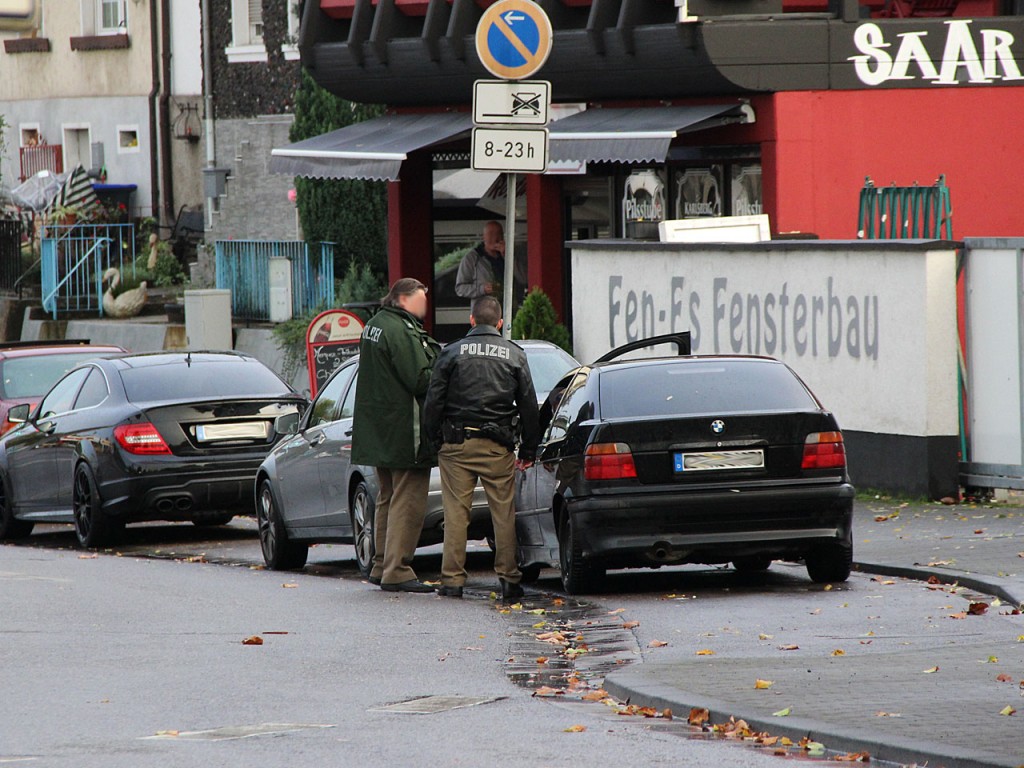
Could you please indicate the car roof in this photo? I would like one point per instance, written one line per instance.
(31, 349)
(150, 359)
(686, 359)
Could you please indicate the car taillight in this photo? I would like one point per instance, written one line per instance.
(141, 439)
(608, 461)
(824, 450)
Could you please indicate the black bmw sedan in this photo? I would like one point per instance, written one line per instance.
(703, 459)
(165, 436)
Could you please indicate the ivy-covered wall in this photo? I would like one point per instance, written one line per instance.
(249, 89)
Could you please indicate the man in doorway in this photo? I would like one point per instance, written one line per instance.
(480, 389)
(482, 269)
(396, 357)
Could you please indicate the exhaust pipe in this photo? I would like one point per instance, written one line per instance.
(183, 503)
(164, 505)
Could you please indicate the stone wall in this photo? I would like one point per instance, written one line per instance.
(255, 205)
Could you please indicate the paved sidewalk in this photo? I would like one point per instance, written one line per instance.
(885, 703)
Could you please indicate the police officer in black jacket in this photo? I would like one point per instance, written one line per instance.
(480, 398)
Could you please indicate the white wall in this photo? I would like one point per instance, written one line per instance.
(871, 327)
(186, 47)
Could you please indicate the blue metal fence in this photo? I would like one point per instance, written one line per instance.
(74, 259)
(243, 267)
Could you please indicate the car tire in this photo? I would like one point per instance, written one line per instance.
(578, 576)
(752, 563)
(279, 553)
(94, 528)
(206, 521)
(10, 527)
(530, 573)
(829, 562)
(363, 507)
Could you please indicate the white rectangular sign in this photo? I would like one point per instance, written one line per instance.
(516, 150)
(871, 331)
(500, 102)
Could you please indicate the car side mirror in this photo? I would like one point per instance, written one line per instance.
(18, 414)
(288, 424)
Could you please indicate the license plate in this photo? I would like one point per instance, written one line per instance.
(711, 460)
(247, 430)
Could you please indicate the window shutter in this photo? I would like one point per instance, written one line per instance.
(255, 11)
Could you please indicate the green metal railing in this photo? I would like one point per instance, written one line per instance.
(905, 212)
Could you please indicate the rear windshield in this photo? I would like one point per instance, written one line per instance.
(33, 376)
(712, 387)
(199, 380)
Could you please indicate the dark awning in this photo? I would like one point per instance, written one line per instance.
(639, 135)
(373, 149)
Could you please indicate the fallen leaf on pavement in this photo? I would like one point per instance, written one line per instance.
(630, 624)
(828, 587)
(761, 685)
(853, 757)
(542, 659)
(599, 695)
(816, 611)
(977, 609)
(887, 714)
(289, 585)
(167, 733)
(1020, 638)
(838, 652)
(616, 611)
(93, 556)
(698, 716)
(933, 579)
(657, 644)
(558, 601)
(786, 741)
(782, 712)
(705, 652)
(979, 531)
(576, 729)
(961, 615)
(763, 636)
(540, 625)
(1007, 710)
(789, 647)
(254, 640)
(1020, 554)
(930, 670)
(1004, 678)
(547, 690)
(991, 660)
(883, 518)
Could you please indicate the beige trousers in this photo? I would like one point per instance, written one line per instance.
(461, 466)
(398, 522)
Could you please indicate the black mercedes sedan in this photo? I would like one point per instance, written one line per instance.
(685, 459)
(164, 436)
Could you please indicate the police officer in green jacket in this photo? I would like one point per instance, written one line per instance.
(396, 356)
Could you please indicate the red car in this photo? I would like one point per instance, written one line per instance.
(29, 368)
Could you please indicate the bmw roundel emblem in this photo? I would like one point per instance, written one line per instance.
(718, 426)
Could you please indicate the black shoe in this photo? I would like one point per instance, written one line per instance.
(373, 580)
(412, 585)
(449, 591)
(510, 591)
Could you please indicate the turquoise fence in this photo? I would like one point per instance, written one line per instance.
(905, 212)
(73, 260)
(243, 267)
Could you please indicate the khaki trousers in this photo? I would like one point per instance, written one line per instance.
(461, 466)
(398, 522)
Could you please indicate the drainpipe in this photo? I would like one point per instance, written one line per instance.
(165, 110)
(154, 167)
(211, 145)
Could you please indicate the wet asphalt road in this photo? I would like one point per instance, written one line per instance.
(99, 655)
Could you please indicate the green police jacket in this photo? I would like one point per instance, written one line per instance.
(395, 360)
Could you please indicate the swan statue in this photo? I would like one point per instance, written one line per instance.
(127, 304)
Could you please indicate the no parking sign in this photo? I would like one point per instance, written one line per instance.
(513, 39)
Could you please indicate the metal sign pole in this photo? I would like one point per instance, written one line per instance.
(510, 252)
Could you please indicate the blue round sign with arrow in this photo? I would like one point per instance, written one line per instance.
(513, 39)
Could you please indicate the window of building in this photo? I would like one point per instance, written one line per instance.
(110, 17)
(77, 146)
(30, 135)
(127, 139)
(246, 32)
(290, 49)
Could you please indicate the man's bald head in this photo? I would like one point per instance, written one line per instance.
(494, 238)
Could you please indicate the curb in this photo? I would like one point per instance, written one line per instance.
(633, 686)
(1008, 590)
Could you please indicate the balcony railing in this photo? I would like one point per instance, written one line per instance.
(42, 157)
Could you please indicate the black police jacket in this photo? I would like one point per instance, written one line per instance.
(482, 381)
